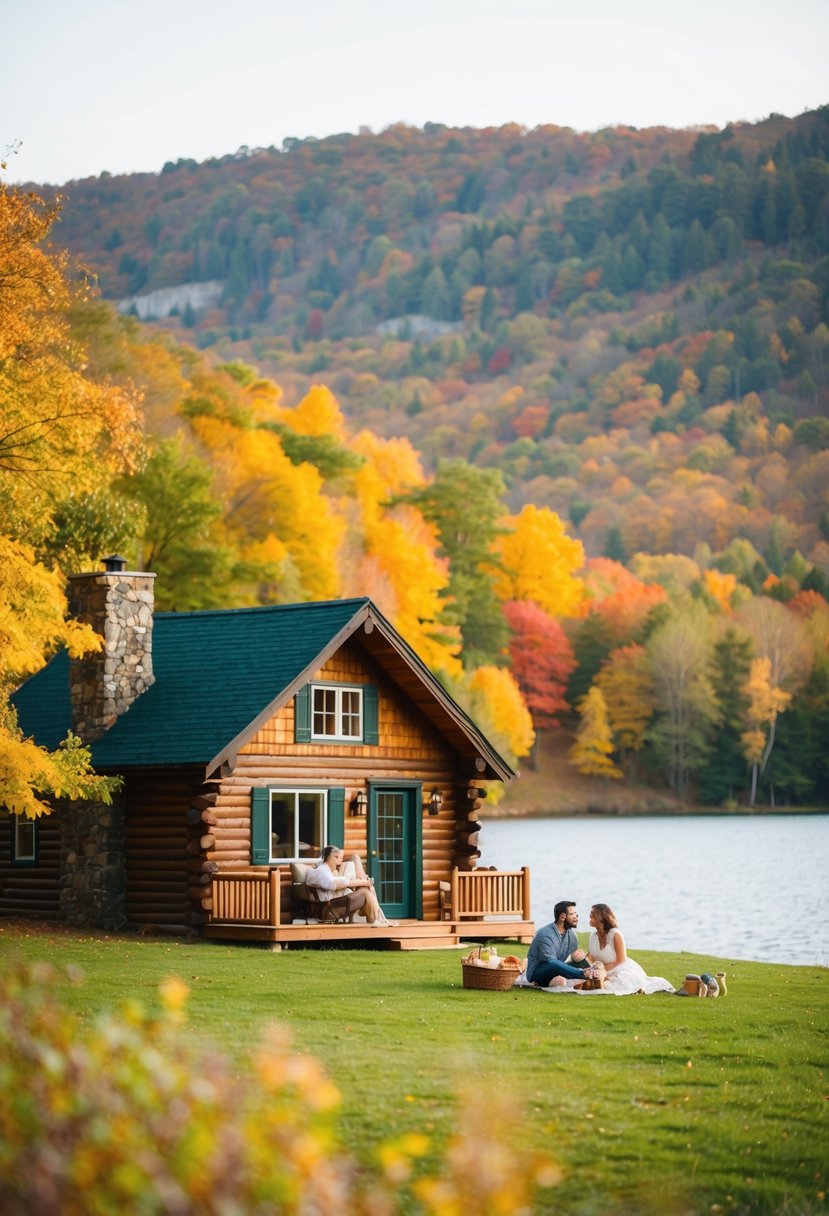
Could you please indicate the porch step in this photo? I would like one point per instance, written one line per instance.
(443, 942)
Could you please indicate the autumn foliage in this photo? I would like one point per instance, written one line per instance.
(127, 1114)
(625, 505)
(542, 661)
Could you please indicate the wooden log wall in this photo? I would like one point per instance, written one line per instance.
(470, 797)
(31, 890)
(409, 749)
(160, 863)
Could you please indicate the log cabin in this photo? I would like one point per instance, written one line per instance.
(246, 740)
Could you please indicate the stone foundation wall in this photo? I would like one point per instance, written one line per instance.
(93, 877)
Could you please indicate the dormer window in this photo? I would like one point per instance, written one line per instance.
(337, 712)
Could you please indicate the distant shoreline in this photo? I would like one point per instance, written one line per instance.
(496, 812)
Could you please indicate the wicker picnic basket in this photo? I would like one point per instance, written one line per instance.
(490, 979)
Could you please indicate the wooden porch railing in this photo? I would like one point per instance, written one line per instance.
(253, 899)
(246, 899)
(479, 893)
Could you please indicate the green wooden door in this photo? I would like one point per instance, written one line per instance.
(395, 849)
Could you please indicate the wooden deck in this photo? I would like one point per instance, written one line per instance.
(480, 905)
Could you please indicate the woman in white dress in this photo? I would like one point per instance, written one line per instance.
(607, 945)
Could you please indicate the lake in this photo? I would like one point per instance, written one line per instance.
(733, 886)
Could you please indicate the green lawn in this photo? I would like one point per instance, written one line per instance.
(650, 1104)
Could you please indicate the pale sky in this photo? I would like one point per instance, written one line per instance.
(93, 85)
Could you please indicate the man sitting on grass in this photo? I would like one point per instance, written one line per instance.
(553, 945)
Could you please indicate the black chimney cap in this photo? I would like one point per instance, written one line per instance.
(114, 563)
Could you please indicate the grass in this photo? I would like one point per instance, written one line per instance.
(649, 1104)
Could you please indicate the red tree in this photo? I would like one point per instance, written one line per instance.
(542, 660)
(315, 325)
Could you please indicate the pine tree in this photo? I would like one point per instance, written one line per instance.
(726, 772)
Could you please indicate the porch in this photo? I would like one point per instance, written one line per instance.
(475, 905)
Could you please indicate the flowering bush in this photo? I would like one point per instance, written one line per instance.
(124, 1114)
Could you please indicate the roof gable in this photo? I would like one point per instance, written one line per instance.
(221, 674)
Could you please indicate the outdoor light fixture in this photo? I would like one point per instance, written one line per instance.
(359, 803)
(435, 802)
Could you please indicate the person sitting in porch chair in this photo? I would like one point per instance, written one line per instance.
(335, 878)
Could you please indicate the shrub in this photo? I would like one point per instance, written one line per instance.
(124, 1114)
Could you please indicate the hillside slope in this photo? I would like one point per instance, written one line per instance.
(631, 326)
(553, 787)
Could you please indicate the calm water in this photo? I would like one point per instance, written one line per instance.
(732, 886)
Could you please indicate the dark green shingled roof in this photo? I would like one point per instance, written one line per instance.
(214, 673)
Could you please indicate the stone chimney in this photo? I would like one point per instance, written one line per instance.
(118, 604)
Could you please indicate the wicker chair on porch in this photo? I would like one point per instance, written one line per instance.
(307, 903)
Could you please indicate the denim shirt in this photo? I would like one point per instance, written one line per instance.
(548, 944)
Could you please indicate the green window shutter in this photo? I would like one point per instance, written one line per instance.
(336, 817)
(371, 725)
(302, 715)
(260, 827)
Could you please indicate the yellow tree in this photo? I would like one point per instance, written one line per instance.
(495, 702)
(59, 430)
(267, 498)
(720, 588)
(391, 467)
(592, 748)
(409, 582)
(395, 551)
(32, 623)
(318, 413)
(626, 684)
(766, 701)
(538, 561)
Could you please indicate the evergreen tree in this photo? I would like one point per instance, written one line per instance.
(524, 294)
(612, 272)
(488, 309)
(614, 546)
(726, 772)
(633, 268)
(592, 643)
(694, 253)
(436, 298)
(798, 768)
(660, 252)
(465, 504)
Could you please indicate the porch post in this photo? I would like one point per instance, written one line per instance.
(274, 891)
(525, 882)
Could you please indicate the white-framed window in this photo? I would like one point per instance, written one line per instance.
(336, 711)
(298, 824)
(25, 839)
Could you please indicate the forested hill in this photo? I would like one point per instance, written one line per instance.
(432, 363)
(630, 325)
